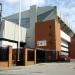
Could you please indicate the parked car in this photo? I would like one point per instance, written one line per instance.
(64, 58)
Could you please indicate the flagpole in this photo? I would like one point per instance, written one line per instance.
(0, 13)
(19, 30)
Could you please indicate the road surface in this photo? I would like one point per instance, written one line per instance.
(41, 69)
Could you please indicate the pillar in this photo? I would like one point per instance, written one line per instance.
(35, 56)
(9, 56)
(25, 56)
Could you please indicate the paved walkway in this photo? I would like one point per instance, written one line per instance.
(41, 69)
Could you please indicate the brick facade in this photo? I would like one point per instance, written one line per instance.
(9, 56)
(49, 31)
(72, 48)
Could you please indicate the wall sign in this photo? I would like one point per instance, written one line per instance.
(41, 43)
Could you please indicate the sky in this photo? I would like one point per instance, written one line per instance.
(66, 8)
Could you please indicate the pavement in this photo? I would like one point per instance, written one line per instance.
(41, 69)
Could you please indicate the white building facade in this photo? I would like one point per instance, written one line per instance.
(9, 34)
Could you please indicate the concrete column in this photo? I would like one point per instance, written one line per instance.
(34, 55)
(9, 56)
(31, 30)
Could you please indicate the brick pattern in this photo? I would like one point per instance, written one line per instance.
(57, 38)
(49, 31)
(10, 56)
(72, 48)
(3, 64)
(34, 56)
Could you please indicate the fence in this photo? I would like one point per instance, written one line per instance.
(8, 56)
(27, 56)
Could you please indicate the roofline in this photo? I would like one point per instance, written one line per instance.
(67, 26)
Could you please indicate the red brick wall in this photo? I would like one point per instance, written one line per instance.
(43, 31)
(3, 64)
(9, 56)
(57, 36)
(49, 31)
(72, 48)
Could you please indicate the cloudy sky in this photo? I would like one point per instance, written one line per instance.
(66, 8)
